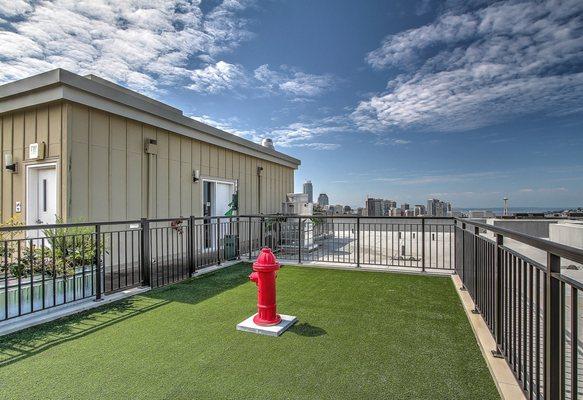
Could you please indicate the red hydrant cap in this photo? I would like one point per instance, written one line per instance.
(266, 260)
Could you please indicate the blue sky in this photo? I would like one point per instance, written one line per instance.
(467, 101)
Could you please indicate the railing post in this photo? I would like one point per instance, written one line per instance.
(463, 256)
(498, 290)
(553, 336)
(145, 246)
(455, 247)
(300, 239)
(98, 288)
(422, 244)
(476, 310)
(250, 241)
(218, 241)
(238, 249)
(261, 221)
(357, 242)
(191, 264)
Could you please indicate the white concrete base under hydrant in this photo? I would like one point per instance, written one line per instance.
(274, 330)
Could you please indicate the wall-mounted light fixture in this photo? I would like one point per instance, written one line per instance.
(259, 170)
(9, 163)
(195, 175)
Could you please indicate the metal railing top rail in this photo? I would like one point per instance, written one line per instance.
(342, 216)
(568, 280)
(561, 250)
(169, 219)
(14, 228)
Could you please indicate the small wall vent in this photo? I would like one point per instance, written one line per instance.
(151, 146)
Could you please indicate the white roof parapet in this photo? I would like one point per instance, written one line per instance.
(96, 92)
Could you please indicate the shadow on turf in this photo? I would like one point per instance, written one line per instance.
(32, 341)
(305, 329)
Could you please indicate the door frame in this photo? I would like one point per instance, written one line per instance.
(212, 231)
(30, 166)
(233, 182)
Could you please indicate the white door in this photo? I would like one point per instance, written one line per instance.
(41, 195)
(216, 198)
(223, 196)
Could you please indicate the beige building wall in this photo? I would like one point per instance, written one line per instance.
(48, 124)
(104, 173)
(112, 178)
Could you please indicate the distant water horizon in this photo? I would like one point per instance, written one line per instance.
(512, 210)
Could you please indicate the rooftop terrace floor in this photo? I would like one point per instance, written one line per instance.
(360, 335)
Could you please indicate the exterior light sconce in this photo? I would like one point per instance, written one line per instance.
(259, 170)
(195, 176)
(9, 163)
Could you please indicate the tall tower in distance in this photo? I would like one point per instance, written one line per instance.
(309, 190)
(323, 199)
(505, 206)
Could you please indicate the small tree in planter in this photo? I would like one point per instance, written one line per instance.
(9, 244)
(273, 234)
(73, 246)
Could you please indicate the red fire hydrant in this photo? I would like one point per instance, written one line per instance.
(264, 273)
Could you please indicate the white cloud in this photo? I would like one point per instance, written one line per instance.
(480, 67)
(383, 141)
(298, 134)
(229, 126)
(303, 134)
(14, 8)
(318, 146)
(217, 77)
(293, 82)
(143, 44)
(444, 178)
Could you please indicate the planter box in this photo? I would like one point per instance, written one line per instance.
(31, 294)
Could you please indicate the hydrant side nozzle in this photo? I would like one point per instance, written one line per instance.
(254, 277)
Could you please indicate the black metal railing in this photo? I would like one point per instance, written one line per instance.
(530, 306)
(44, 266)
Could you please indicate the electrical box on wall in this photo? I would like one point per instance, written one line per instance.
(151, 146)
(36, 151)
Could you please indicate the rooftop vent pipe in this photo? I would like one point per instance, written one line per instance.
(267, 142)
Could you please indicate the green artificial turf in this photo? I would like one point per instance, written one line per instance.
(360, 335)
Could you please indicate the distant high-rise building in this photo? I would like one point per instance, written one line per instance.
(404, 206)
(347, 210)
(386, 206)
(373, 207)
(323, 199)
(438, 208)
(309, 190)
(419, 210)
(395, 212)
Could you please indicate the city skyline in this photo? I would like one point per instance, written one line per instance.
(417, 99)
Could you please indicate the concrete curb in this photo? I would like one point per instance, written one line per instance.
(505, 381)
(52, 314)
(365, 268)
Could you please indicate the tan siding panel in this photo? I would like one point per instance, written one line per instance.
(42, 127)
(6, 175)
(55, 130)
(29, 130)
(18, 155)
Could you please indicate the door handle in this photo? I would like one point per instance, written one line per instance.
(38, 221)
